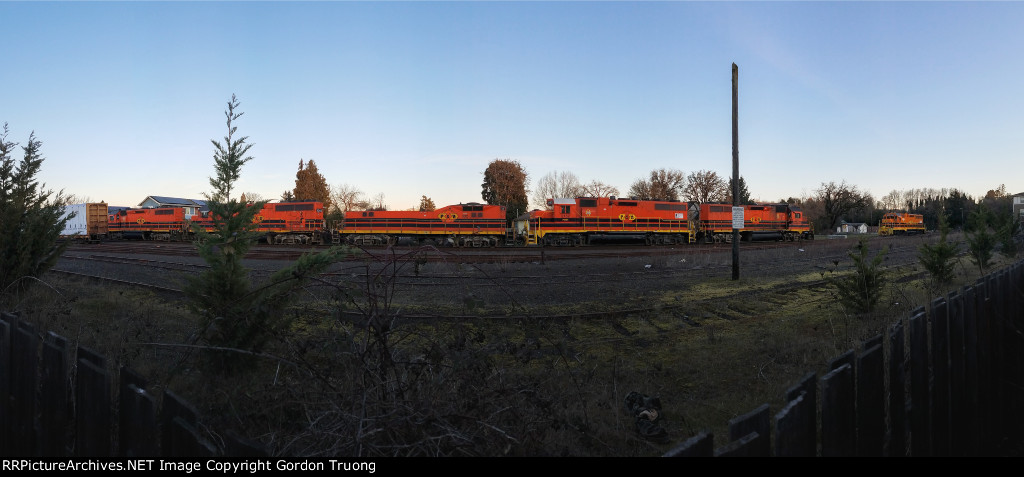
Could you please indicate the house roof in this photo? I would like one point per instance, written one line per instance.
(164, 200)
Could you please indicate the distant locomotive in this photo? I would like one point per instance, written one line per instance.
(578, 221)
(901, 223)
(287, 222)
(782, 221)
(462, 225)
(581, 220)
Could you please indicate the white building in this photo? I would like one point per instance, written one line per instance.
(852, 228)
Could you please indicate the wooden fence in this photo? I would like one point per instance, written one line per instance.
(43, 415)
(951, 384)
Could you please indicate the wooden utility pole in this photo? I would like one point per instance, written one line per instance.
(735, 172)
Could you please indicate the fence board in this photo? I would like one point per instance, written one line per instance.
(25, 372)
(791, 437)
(939, 318)
(175, 408)
(700, 445)
(757, 422)
(897, 444)
(838, 424)
(871, 403)
(136, 417)
(983, 318)
(92, 406)
(1000, 333)
(137, 423)
(847, 357)
(745, 446)
(972, 397)
(5, 383)
(53, 397)
(957, 383)
(920, 415)
(186, 441)
(807, 386)
(1016, 322)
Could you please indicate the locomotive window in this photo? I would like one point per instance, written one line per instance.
(627, 204)
(164, 212)
(720, 208)
(588, 202)
(565, 209)
(471, 208)
(797, 215)
(669, 206)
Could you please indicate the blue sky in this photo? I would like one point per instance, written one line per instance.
(408, 99)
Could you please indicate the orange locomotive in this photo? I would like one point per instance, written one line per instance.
(785, 221)
(901, 223)
(463, 225)
(577, 221)
(285, 222)
(292, 222)
(159, 223)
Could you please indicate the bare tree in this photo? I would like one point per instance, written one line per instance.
(838, 200)
(599, 189)
(705, 186)
(76, 199)
(345, 197)
(252, 197)
(426, 204)
(556, 185)
(663, 184)
(377, 203)
(890, 201)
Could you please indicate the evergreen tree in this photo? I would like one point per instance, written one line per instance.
(861, 291)
(311, 185)
(238, 318)
(32, 221)
(1008, 232)
(505, 184)
(744, 192)
(981, 243)
(940, 259)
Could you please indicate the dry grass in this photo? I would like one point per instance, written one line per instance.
(712, 350)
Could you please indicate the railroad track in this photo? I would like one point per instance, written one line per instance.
(493, 276)
(435, 254)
